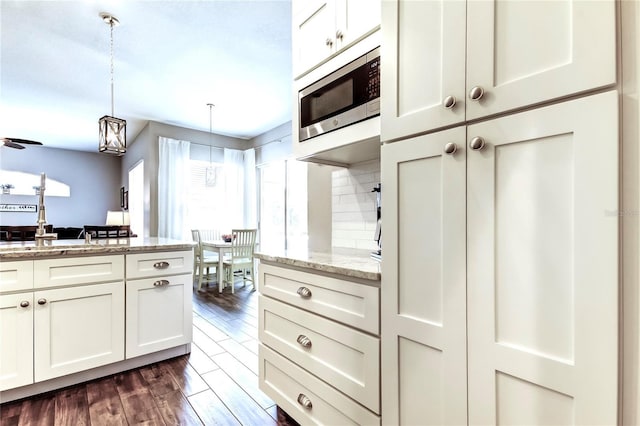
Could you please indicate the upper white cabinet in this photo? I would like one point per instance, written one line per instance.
(322, 28)
(516, 54)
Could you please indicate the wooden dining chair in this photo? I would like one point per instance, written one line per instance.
(243, 245)
(203, 261)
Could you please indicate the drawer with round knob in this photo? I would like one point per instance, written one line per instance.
(346, 358)
(348, 302)
(305, 397)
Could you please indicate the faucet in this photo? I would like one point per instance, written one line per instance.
(41, 235)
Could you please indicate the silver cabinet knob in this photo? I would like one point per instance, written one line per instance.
(476, 143)
(304, 401)
(24, 304)
(161, 265)
(304, 341)
(449, 102)
(161, 283)
(304, 292)
(328, 42)
(476, 93)
(450, 148)
(339, 35)
(42, 301)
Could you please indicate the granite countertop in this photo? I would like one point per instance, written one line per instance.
(53, 248)
(349, 262)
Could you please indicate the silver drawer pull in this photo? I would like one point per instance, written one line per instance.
(304, 341)
(304, 401)
(161, 265)
(304, 292)
(24, 304)
(161, 283)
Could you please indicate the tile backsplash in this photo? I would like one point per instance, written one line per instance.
(354, 205)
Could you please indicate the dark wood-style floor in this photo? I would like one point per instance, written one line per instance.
(217, 384)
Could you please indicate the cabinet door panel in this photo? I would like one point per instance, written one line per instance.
(78, 328)
(312, 27)
(526, 52)
(355, 19)
(423, 285)
(543, 262)
(16, 340)
(159, 316)
(423, 62)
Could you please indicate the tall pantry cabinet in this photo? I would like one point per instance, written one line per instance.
(500, 266)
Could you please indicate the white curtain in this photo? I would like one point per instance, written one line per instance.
(250, 197)
(173, 188)
(234, 189)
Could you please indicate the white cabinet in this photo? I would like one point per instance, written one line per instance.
(159, 314)
(317, 361)
(73, 321)
(322, 28)
(78, 328)
(16, 324)
(514, 54)
(505, 261)
(16, 340)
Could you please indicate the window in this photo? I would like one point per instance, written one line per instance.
(283, 205)
(206, 195)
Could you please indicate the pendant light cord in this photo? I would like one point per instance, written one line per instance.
(210, 132)
(111, 46)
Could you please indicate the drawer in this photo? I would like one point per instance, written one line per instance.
(351, 303)
(154, 264)
(346, 358)
(66, 271)
(288, 385)
(16, 276)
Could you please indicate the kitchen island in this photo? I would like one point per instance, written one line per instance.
(72, 311)
(319, 331)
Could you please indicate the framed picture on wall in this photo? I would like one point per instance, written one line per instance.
(122, 196)
(125, 204)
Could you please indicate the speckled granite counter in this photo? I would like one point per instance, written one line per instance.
(30, 250)
(347, 262)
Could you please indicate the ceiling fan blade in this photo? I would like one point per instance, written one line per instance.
(8, 143)
(24, 141)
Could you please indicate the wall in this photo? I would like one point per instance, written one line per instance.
(354, 205)
(94, 180)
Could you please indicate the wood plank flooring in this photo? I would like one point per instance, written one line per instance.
(217, 384)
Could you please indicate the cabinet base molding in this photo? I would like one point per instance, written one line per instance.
(95, 373)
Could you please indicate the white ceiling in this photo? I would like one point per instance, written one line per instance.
(171, 58)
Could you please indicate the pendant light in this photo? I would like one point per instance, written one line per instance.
(113, 131)
(210, 172)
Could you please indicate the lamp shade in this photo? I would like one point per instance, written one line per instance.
(113, 135)
(118, 218)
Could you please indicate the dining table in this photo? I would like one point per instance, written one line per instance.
(221, 247)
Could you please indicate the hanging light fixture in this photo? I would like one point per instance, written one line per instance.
(113, 131)
(210, 172)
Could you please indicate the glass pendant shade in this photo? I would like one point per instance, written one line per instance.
(113, 135)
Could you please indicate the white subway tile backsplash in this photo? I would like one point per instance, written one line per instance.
(354, 205)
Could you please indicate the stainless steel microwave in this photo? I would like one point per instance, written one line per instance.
(346, 96)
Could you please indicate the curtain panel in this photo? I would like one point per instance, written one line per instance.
(173, 189)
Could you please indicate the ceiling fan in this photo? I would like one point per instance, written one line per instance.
(17, 143)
